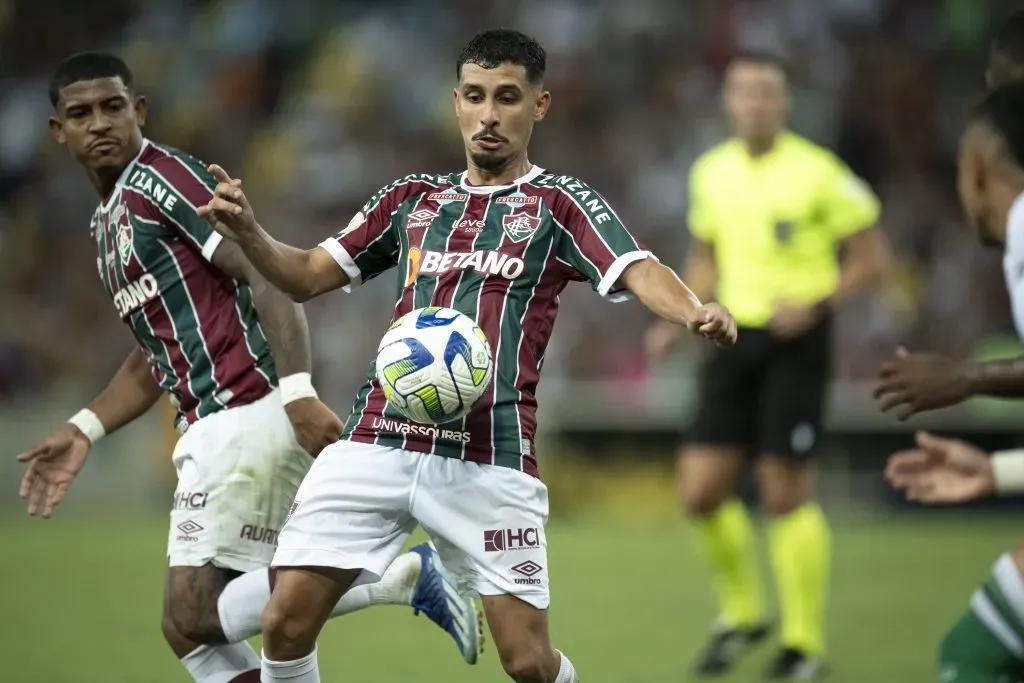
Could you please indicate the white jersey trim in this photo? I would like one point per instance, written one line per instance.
(491, 189)
(344, 261)
(210, 246)
(611, 278)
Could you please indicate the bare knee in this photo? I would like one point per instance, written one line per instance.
(784, 484)
(520, 634)
(537, 665)
(288, 634)
(301, 603)
(190, 603)
(707, 478)
(179, 644)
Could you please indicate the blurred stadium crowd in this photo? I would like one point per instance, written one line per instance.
(317, 103)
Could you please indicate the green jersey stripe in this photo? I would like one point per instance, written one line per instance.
(188, 319)
(987, 613)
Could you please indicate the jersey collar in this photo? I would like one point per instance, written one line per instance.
(491, 189)
(106, 206)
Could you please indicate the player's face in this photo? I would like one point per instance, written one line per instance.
(100, 123)
(497, 109)
(756, 99)
(973, 185)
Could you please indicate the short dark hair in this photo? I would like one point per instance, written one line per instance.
(87, 66)
(762, 57)
(497, 46)
(1009, 39)
(1003, 110)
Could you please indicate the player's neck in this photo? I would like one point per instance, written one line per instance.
(516, 168)
(104, 180)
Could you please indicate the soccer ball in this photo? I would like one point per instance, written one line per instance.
(434, 364)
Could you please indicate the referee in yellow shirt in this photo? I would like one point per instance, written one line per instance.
(783, 233)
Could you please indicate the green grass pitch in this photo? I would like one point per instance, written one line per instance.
(81, 599)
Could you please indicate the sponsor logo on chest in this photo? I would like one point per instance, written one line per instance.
(136, 294)
(484, 262)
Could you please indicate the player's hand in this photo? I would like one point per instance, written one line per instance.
(660, 338)
(941, 471)
(915, 382)
(53, 464)
(228, 211)
(789, 321)
(714, 322)
(316, 426)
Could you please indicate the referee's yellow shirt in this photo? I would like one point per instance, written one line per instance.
(775, 222)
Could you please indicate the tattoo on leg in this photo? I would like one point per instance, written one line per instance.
(192, 601)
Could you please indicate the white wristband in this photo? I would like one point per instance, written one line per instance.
(1008, 471)
(88, 424)
(296, 387)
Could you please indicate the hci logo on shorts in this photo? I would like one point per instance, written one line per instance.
(497, 540)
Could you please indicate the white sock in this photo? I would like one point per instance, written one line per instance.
(566, 672)
(222, 663)
(302, 670)
(243, 599)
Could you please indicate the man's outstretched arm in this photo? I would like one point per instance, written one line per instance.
(916, 382)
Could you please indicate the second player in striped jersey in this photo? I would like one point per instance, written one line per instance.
(232, 352)
(497, 242)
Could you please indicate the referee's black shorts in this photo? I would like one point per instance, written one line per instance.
(763, 395)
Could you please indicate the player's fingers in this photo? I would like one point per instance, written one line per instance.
(906, 462)
(906, 412)
(26, 482)
(33, 453)
(893, 400)
(36, 496)
(932, 443)
(887, 386)
(228, 191)
(54, 495)
(902, 352)
(221, 205)
(711, 327)
(889, 369)
(219, 173)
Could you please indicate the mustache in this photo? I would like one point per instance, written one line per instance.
(489, 134)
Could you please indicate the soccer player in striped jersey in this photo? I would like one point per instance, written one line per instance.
(497, 242)
(986, 644)
(233, 354)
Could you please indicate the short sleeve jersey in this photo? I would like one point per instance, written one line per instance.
(775, 222)
(500, 255)
(197, 325)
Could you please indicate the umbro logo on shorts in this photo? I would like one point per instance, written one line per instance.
(527, 570)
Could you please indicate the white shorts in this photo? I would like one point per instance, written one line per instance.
(238, 471)
(359, 503)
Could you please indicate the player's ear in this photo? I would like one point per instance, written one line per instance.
(543, 104)
(57, 130)
(456, 102)
(141, 110)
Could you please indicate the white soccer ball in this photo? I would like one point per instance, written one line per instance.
(434, 364)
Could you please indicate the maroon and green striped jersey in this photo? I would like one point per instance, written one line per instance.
(500, 255)
(196, 324)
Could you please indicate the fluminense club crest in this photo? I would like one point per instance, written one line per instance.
(124, 242)
(519, 226)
